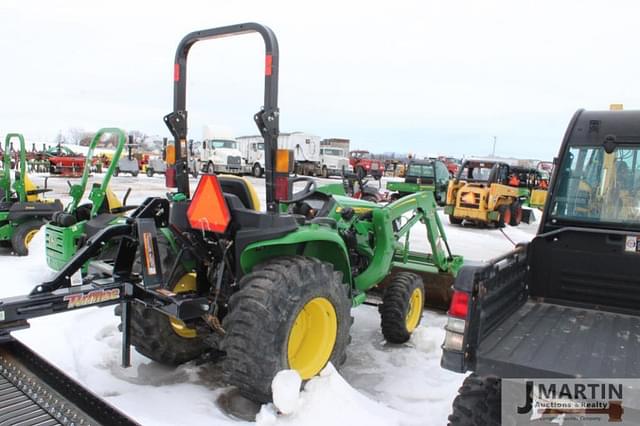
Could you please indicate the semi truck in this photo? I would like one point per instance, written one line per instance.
(307, 154)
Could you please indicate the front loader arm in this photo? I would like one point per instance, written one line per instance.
(422, 206)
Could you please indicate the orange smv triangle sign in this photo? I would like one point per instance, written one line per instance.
(208, 210)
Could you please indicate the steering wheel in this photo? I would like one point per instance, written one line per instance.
(305, 193)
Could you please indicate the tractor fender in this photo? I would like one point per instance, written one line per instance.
(313, 240)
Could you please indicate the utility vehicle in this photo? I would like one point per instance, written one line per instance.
(210, 277)
(22, 210)
(566, 304)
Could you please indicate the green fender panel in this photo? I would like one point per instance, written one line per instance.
(312, 240)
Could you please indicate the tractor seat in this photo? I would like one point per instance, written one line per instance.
(242, 188)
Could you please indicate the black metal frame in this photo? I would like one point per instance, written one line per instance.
(267, 118)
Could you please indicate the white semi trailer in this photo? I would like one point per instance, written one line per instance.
(307, 154)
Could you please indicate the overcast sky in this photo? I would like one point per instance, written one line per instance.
(427, 77)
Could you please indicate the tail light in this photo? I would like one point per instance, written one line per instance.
(282, 187)
(457, 321)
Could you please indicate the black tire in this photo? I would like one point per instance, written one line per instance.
(151, 332)
(361, 172)
(263, 312)
(210, 168)
(455, 220)
(377, 176)
(116, 171)
(477, 403)
(504, 215)
(370, 198)
(134, 173)
(150, 171)
(396, 305)
(22, 236)
(257, 171)
(516, 214)
(325, 172)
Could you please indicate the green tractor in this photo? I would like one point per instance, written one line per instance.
(22, 210)
(69, 229)
(423, 175)
(211, 277)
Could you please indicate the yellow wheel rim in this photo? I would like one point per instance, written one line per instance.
(185, 284)
(312, 337)
(29, 237)
(416, 303)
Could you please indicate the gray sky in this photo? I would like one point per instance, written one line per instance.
(427, 77)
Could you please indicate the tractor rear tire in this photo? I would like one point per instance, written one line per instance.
(22, 236)
(152, 332)
(455, 220)
(516, 214)
(291, 312)
(477, 403)
(402, 306)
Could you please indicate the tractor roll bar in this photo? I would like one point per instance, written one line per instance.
(267, 118)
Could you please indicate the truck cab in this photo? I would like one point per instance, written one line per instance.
(363, 164)
(333, 162)
(566, 304)
(221, 156)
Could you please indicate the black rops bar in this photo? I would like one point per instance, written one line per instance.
(267, 118)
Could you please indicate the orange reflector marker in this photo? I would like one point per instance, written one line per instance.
(284, 161)
(208, 211)
(170, 156)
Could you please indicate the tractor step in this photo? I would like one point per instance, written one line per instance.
(33, 392)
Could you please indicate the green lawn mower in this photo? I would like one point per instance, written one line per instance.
(213, 278)
(69, 229)
(22, 210)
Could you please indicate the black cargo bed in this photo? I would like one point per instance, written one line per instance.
(544, 340)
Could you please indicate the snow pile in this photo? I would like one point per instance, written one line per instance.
(22, 273)
(326, 399)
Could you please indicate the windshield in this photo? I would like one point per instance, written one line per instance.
(420, 170)
(332, 151)
(594, 186)
(476, 171)
(223, 144)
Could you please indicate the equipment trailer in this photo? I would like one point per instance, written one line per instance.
(566, 304)
(212, 278)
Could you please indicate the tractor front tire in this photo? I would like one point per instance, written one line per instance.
(291, 312)
(401, 308)
(477, 403)
(22, 236)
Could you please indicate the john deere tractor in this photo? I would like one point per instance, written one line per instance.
(70, 228)
(22, 210)
(211, 277)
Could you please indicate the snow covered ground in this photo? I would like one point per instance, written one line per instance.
(380, 384)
